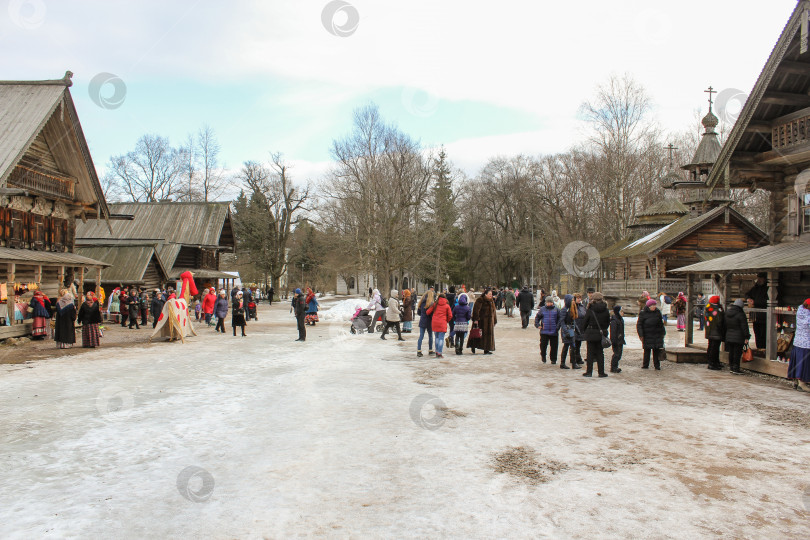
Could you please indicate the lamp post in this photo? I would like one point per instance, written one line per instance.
(532, 284)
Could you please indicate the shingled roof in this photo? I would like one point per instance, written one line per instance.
(195, 223)
(668, 235)
(766, 100)
(28, 109)
(128, 262)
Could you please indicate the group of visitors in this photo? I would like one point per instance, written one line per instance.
(447, 318)
(63, 312)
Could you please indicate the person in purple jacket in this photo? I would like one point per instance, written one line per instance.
(461, 321)
(548, 321)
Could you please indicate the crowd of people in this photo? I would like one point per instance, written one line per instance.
(131, 307)
(449, 318)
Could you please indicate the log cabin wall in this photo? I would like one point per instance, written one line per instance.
(152, 277)
(188, 257)
(714, 236)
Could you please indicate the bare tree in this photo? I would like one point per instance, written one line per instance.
(149, 173)
(379, 181)
(212, 181)
(622, 133)
(188, 162)
(274, 207)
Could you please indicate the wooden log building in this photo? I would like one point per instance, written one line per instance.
(769, 148)
(690, 225)
(47, 181)
(164, 240)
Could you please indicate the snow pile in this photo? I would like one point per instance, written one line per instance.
(342, 311)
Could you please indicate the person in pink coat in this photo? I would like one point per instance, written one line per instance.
(442, 314)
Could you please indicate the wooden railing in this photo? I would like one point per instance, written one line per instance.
(41, 183)
(790, 133)
(634, 287)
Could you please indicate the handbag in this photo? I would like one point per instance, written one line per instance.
(605, 341)
(748, 354)
(476, 333)
(783, 342)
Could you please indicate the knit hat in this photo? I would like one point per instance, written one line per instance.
(597, 297)
(714, 299)
(549, 299)
(617, 310)
(651, 302)
(297, 291)
(739, 302)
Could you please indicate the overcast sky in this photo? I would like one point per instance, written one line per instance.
(482, 78)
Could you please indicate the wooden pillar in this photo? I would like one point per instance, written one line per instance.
(12, 268)
(61, 276)
(770, 336)
(81, 281)
(38, 276)
(690, 329)
(98, 281)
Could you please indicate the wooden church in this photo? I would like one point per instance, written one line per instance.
(691, 224)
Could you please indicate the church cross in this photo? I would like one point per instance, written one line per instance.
(671, 148)
(711, 91)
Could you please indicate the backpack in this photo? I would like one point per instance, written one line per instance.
(383, 302)
(668, 299)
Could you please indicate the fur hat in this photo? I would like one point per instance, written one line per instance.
(651, 302)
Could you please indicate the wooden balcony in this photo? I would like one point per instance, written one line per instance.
(41, 183)
(790, 133)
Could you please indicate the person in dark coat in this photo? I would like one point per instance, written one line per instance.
(700, 308)
(143, 305)
(525, 303)
(300, 309)
(238, 313)
(651, 331)
(64, 332)
(221, 310)
(485, 317)
(123, 298)
(596, 326)
(616, 338)
(757, 297)
(90, 317)
(270, 293)
(548, 321)
(568, 319)
(737, 334)
(715, 331)
(156, 307)
(134, 305)
(461, 322)
(579, 327)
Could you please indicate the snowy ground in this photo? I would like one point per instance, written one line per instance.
(262, 437)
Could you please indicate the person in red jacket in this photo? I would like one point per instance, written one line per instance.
(208, 301)
(442, 314)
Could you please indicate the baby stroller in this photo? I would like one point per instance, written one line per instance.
(311, 319)
(252, 310)
(360, 322)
